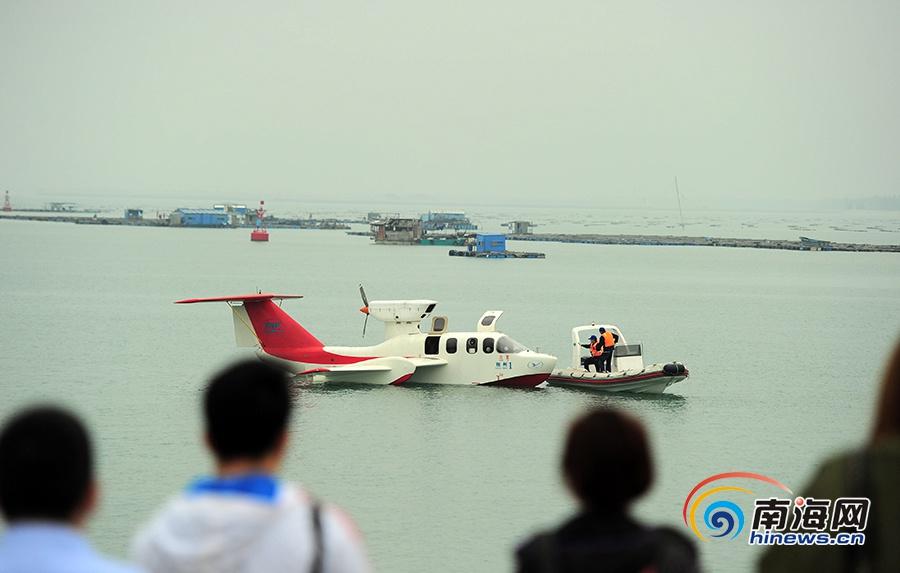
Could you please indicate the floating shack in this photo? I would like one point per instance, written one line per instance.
(445, 221)
(397, 231)
(443, 240)
(520, 227)
(238, 214)
(492, 246)
(199, 218)
(815, 244)
(61, 207)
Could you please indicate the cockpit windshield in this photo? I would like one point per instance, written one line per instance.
(506, 345)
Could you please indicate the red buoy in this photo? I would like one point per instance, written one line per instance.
(260, 233)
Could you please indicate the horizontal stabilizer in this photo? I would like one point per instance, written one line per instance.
(258, 297)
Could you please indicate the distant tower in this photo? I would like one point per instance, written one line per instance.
(260, 233)
(6, 205)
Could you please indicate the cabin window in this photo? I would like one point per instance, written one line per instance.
(451, 346)
(432, 344)
(487, 345)
(506, 345)
(623, 350)
(472, 345)
(438, 324)
(488, 320)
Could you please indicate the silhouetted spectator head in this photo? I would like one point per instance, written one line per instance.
(607, 461)
(46, 466)
(592, 337)
(247, 407)
(887, 421)
(602, 330)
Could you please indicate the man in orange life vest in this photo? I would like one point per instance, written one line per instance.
(596, 349)
(608, 344)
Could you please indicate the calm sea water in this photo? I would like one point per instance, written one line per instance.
(784, 348)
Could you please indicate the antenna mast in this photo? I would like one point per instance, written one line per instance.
(678, 196)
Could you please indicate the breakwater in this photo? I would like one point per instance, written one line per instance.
(682, 241)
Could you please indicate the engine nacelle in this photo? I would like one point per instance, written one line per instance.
(400, 311)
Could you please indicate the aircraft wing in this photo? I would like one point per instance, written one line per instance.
(387, 370)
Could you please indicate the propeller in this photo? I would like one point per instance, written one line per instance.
(365, 308)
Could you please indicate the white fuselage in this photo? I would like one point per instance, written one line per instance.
(475, 359)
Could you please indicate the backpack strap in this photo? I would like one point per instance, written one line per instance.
(318, 538)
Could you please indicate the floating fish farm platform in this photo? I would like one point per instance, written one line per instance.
(498, 254)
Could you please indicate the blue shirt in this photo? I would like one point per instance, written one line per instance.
(262, 487)
(45, 547)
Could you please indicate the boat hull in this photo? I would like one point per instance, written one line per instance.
(654, 379)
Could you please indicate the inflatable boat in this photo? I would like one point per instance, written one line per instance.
(628, 371)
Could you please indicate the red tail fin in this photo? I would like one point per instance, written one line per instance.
(276, 329)
(273, 327)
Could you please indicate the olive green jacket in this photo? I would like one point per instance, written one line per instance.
(873, 473)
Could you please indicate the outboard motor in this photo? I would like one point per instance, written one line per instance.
(674, 369)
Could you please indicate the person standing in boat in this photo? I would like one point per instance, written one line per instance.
(596, 349)
(608, 342)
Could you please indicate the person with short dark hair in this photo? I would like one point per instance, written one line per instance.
(871, 471)
(608, 342)
(607, 465)
(47, 493)
(243, 519)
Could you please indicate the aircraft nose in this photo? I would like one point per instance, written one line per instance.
(364, 309)
(540, 362)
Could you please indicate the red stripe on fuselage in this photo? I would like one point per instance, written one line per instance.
(402, 379)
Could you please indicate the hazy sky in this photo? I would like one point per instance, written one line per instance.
(475, 102)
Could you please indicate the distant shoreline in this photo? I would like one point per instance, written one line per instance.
(98, 219)
(580, 238)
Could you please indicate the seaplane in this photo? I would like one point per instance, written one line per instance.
(483, 357)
